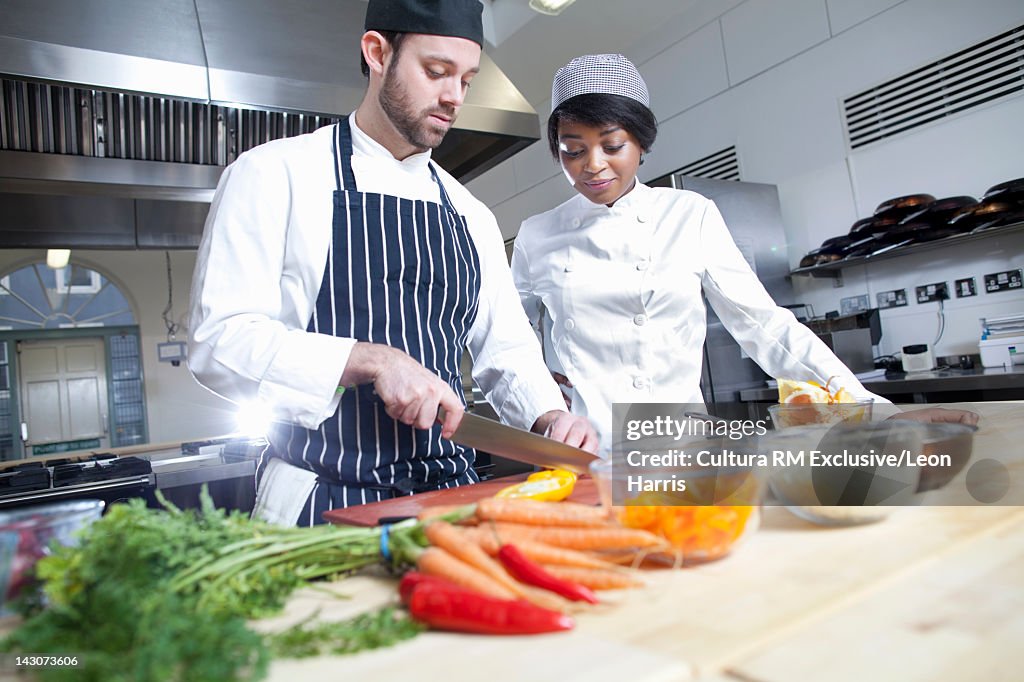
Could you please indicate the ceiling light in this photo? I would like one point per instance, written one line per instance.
(550, 7)
(58, 258)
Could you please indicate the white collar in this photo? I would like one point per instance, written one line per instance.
(633, 201)
(364, 145)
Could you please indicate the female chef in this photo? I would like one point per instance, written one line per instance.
(619, 269)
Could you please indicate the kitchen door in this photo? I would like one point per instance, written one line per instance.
(64, 395)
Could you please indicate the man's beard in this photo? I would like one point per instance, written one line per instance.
(413, 126)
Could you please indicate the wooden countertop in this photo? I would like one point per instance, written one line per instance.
(928, 594)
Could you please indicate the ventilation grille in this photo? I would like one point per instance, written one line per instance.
(37, 117)
(723, 165)
(990, 70)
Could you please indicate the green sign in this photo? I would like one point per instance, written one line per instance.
(66, 446)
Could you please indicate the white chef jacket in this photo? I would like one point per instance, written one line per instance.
(261, 263)
(621, 288)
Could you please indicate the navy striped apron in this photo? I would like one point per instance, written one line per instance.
(403, 273)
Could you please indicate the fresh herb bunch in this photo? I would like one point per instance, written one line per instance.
(374, 630)
(165, 594)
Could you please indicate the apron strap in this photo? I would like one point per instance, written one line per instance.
(345, 179)
(343, 175)
(445, 201)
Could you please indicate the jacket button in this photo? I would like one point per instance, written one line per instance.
(641, 218)
(568, 267)
(575, 222)
(639, 320)
(639, 382)
(570, 325)
(641, 266)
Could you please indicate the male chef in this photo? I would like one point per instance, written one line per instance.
(342, 274)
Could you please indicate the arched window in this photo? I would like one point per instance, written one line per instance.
(70, 366)
(39, 297)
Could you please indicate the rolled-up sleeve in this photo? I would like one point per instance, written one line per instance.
(247, 340)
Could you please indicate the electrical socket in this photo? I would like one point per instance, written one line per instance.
(852, 304)
(897, 298)
(928, 293)
(1002, 281)
(965, 287)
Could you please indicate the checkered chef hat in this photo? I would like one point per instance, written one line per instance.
(610, 74)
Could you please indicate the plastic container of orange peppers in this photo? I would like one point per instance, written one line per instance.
(696, 530)
(700, 533)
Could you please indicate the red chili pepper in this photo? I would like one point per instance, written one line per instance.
(446, 606)
(412, 579)
(526, 571)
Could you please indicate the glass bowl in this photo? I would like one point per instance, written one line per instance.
(25, 536)
(785, 416)
(703, 512)
(843, 493)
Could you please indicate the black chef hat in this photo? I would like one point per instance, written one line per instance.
(458, 18)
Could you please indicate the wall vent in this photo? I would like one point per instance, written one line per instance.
(56, 119)
(990, 70)
(722, 165)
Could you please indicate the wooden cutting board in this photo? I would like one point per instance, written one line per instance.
(370, 514)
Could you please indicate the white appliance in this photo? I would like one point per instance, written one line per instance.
(918, 357)
(1002, 352)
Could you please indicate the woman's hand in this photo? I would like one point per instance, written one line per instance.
(563, 380)
(939, 414)
(567, 428)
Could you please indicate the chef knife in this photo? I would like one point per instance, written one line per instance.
(523, 446)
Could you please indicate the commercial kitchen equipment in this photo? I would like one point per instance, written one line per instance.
(851, 337)
(118, 117)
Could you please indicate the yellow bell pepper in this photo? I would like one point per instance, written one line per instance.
(550, 485)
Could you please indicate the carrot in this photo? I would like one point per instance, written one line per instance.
(609, 537)
(549, 600)
(636, 558)
(436, 561)
(537, 552)
(447, 537)
(537, 513)
(594, 578)
(618, 557)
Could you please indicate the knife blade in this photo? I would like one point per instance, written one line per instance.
(523, 446)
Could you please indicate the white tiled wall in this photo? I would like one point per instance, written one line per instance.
(919, 323)
(844, 14)
(990, 141)
(696, 68)
(762, 33)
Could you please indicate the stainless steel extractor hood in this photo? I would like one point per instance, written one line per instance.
(148, 101)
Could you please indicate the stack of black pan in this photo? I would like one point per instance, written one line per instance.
(920, 218)
(1002, 204)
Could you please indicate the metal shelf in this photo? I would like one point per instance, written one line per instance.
(833, 270)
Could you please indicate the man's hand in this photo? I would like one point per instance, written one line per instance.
(567, 428)
(410, 392)
(939, 414)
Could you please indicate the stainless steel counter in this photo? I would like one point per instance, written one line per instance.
(939, 381)
(172, 468)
